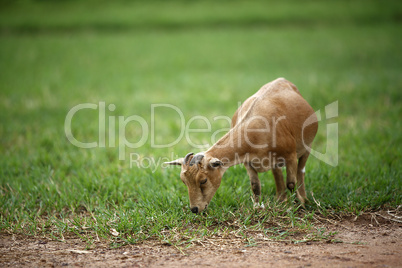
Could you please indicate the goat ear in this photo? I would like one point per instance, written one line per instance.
(215, 162)
(177, 162)
(180, 161)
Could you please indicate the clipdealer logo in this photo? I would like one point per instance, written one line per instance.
(107, 133)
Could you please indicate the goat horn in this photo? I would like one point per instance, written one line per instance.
(187, 158)
(197, 159)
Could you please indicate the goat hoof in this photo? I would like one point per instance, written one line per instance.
(258, 206)
(291, 185)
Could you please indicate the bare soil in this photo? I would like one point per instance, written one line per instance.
(368, 241)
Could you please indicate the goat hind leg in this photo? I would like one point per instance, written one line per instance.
(255, 183)
(291, 171)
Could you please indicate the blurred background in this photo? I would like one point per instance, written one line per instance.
(202, 57)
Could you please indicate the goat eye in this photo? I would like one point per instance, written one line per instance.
(203, 181)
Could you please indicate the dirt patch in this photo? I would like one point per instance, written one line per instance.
(368, 241)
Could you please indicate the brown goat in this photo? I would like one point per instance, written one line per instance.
(268, 131)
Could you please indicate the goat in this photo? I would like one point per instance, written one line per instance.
(268, 131)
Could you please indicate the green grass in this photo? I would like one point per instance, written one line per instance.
(203, 61)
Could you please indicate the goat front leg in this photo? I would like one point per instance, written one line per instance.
(255, 183)
(280, 184)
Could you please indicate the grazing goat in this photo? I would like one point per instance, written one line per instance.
(268, 131)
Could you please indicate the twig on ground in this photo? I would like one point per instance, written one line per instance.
(387, 218)
(375, 219)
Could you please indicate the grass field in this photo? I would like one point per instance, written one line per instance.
(202, 57)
